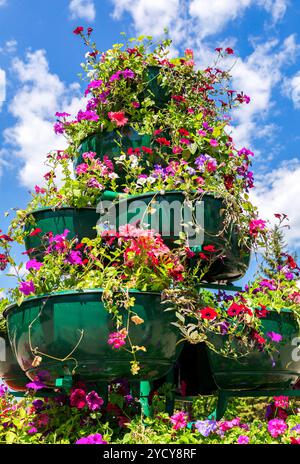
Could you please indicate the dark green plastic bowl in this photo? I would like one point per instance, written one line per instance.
(112, 144)
(55, 332)
(140, 209)
(10, 371)
(255, 370)
(161, 95)
(80, 223)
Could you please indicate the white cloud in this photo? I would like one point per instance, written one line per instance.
(213, 15)
(278, 191)
(150, 17)
(184, 17)
(292, 89)
(84, 9)
(40, 95)
(277, 8)
(2, 87)
(10, 46)
(257, 76)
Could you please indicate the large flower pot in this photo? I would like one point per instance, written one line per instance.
(80, 223)
(56, 322)
(10, 371)
(257, 370)
(164, 212)
(161, 95)
(112, 144)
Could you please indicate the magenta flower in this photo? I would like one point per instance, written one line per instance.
(275, 337)
(27, 287)
(95, 439)
(59, 128)
(82, 168)
(36, 385)
(243, 440)
(94, 183)
(179, 420)
(128, 74)
(281, 401)
(213, 143)
(89, 155)
(93, 85)
(202, 133)
(78, 399)
(117, 339)
(32, 431)
(277, 427)
(34, 264)
(3, 390)
(62, 115)
(74, 258)
(255, 226)
(87, 116)
(94, 401)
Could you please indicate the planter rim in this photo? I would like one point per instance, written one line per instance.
(48, 208)
(13, 306)
(98, 132)
(124, 196)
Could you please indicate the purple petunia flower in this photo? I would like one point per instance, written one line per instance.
(59, 128)
(275, 337)
(206, 427)
(27, 287)
(276, 427)
(32, 431)
(95, 439)
(87, 116)
(34, 264)
(36, 385)
(74, 257)
(243, 440)
(3, 390)
(94, 401)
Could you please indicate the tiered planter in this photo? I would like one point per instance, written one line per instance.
(80, 223)
(140, 208)
(58, 319)
(10, 371)
(256, 370)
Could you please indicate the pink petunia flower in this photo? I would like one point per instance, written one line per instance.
(118, 117)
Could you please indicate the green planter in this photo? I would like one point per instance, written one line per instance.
(161, 95)
(10, 371)
(255, 371)
(56, 331)
(80, 223)
(112, 144)
(163, 212)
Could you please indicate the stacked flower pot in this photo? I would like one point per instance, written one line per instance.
(60, 337)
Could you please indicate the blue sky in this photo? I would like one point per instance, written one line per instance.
(40, 60)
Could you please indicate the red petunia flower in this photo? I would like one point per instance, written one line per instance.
(234, 309)
(147, 150)
(36, 231)
(208, 313)
(209, 248)
(163, 141)
(229, 51)
(78, 30)
(118, 117)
